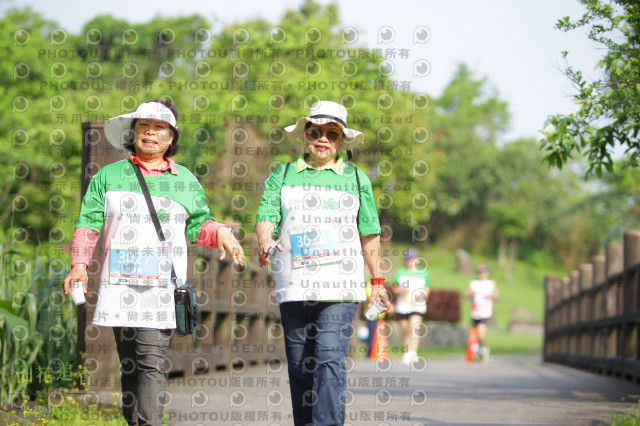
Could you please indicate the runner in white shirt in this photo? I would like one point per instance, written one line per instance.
(482, 292)
(411, 286)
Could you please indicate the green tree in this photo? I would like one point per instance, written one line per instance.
(469, 117)
(29, 76)
(489, 196)
(609, 111)
(253, 76)
(52, 81)
(521, 200)
(614, 205)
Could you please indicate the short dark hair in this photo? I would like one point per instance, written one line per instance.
(173, 148)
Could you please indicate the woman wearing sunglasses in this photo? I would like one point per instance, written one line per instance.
(318, 212)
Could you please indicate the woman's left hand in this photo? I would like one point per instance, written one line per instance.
(380, 292)
(227, 242)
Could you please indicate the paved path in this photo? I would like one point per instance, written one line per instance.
(507, 390)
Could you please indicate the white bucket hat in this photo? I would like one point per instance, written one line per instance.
(324, 112)
(117, 128)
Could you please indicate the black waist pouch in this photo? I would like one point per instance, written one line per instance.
(187, 313)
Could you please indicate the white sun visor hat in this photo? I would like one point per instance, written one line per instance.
(117, 128)
(324, 112)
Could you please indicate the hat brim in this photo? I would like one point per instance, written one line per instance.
(294, 131)
(117, 129)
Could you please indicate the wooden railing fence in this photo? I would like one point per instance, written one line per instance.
(593, 316)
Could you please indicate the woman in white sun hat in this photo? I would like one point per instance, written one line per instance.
(135, 293)
(322, 214)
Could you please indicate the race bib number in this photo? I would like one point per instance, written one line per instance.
(148, 266)
(313, 245)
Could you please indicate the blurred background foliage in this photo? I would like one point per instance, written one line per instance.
(435, 160)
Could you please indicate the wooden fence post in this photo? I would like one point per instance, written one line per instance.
(599, 270)
(585, 304)
(631, 249)
(586, 283)
(553, 284)
(613, 262)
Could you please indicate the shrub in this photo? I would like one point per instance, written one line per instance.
(443, 305)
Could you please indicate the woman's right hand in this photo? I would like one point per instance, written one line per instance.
(78, 273)
(264, 251)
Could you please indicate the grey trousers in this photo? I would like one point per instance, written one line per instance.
(142, 353)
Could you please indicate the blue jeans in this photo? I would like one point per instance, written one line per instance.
(316, 336)
(142, 353)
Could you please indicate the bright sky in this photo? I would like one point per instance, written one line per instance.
(512, 43)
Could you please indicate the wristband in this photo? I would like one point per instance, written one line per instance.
(79, 264)
(377, 281)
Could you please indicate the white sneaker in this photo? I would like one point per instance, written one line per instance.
(484, 353)
(407, 357)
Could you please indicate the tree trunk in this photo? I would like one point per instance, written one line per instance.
(513, 251)
(502, 251)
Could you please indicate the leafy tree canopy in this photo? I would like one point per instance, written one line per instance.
(609, 107)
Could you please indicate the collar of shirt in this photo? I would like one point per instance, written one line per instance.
(155, 172)
(301, 164)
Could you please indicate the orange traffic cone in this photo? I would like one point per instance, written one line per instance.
(473, 345)
(379, 346)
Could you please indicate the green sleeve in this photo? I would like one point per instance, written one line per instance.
(92, 207)
(198, 213)
(270, 209)
(368, 223)
(427, 279)
(197, 216)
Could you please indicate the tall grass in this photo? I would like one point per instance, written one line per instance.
(37, 325)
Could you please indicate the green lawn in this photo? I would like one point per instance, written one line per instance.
(503, 342)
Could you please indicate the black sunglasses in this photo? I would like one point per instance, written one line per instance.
(315, 133)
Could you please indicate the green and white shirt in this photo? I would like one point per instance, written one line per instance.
(114, 205)
(319, 216)
(415, 282)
